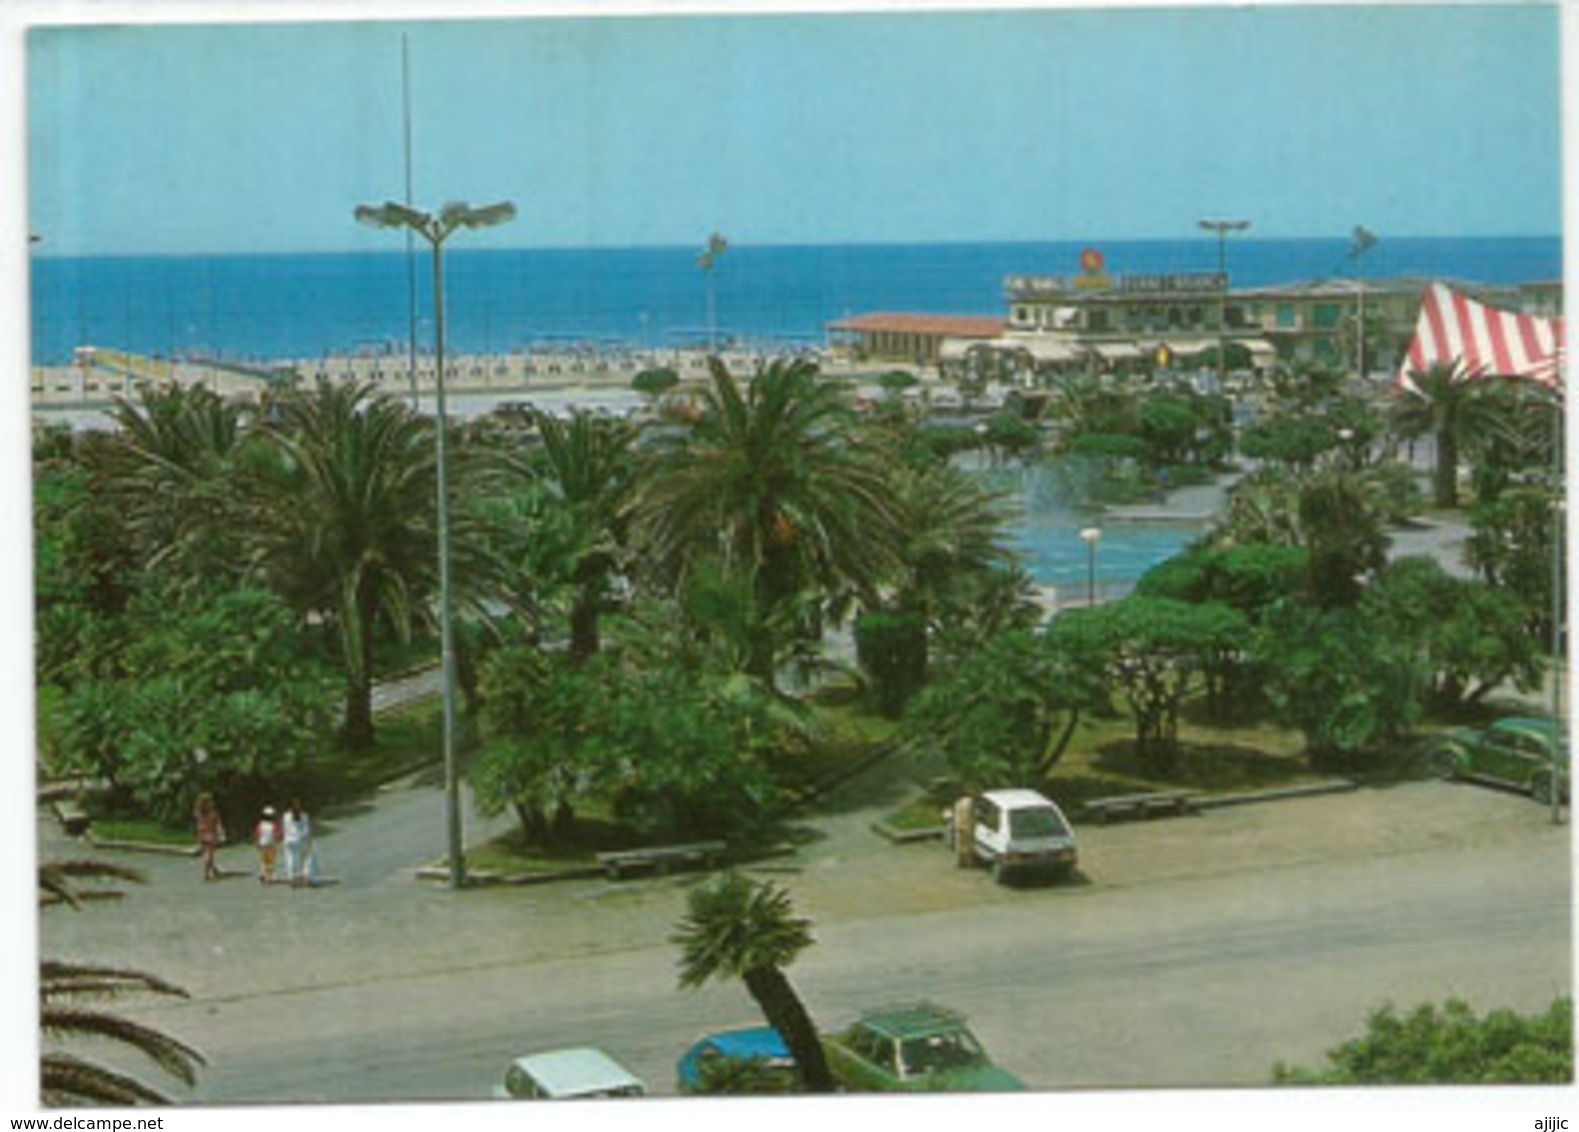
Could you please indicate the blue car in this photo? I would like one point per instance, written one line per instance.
(753, 1060)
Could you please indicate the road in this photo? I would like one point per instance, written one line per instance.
(1199, 952)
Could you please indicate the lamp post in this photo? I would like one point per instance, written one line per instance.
(1223, 228)
(1091, 536)
(716, 246)
(1559, 526)
(1364, 241)
(435, 229)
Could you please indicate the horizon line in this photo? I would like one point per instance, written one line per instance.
(40, 249)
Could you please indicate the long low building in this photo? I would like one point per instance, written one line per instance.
(917, 339)
(1124, 322)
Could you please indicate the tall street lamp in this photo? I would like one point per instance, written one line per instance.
(1223, 228)
(716, 246)
(1091, 536)
(435, 229)
(1364, 241)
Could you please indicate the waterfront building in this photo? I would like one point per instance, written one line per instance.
(915, 339)
(1098, 322)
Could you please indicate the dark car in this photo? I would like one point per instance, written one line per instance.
(1515, 752)
(922, 1048)
(750, 1060)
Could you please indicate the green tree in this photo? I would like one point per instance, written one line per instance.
(1459, 411)
(690, 756)
(85, 570)
(737, 928)
(1510, 548)
(1516, 447)
(544, 752)
(1155, 651)
(67, 991)
(1168, 422)
(1352, 687)
(776, 484)
(215, 693)
(1343, 533)
(344, 524)
(1296, 442)
(891, 649)
(1253, 579)
(896, 381)
(590, 470)
(170, 465)
(952, 536)
(1263, 509)
(1472, 637)
(1006, 713)
(1450, 1046)
(654, 382)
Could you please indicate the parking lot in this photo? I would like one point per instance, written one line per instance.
(1343, 901)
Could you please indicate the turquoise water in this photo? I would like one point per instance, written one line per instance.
(1055, 555)
(300, 306)
(1046, 535)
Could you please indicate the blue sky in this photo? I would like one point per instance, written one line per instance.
(803, 129)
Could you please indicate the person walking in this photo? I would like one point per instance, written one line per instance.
(210, 833)
(298, 844)
(963, 828)
(267, 837)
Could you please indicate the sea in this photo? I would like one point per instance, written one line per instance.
(297, 306)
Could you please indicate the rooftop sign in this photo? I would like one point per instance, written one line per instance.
(1055, 286)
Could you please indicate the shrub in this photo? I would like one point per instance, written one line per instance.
(891, 649)
(1450, 1046)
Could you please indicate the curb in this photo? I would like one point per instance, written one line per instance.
(487, 878)
(1207, 802)
(906, 836)
(142, 846)
(1315, 789)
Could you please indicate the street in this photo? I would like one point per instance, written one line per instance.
(1198, 951)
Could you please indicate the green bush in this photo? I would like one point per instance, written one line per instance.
(892, 651)
(1450, 1046)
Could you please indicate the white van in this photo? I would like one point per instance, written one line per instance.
(568, 1073)
(1021, 832)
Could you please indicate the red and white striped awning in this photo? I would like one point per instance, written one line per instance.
(1454, 329)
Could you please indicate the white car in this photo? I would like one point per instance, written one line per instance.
(565, 1074)
(1021, 832)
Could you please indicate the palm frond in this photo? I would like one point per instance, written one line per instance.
(56, 880)
(171, 1055)
(68, 1081)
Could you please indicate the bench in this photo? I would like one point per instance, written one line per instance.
(1169, 802)
(660, 858)
(73, 818)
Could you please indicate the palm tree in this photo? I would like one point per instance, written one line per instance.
(169, 464)
(1343, 531)
(737, 928)
(65, 988)
(344, 522)
(775, 483)
(1458, 411)
(590, 470)
(951, 527)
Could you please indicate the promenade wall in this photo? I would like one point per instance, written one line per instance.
(97, 383)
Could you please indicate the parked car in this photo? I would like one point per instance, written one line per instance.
(1020, 832)
(753, 1059)
(565, 1074)
(1516, 752)
(921, 1048)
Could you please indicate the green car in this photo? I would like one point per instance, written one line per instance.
(921, 1048)
(1515, 752)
